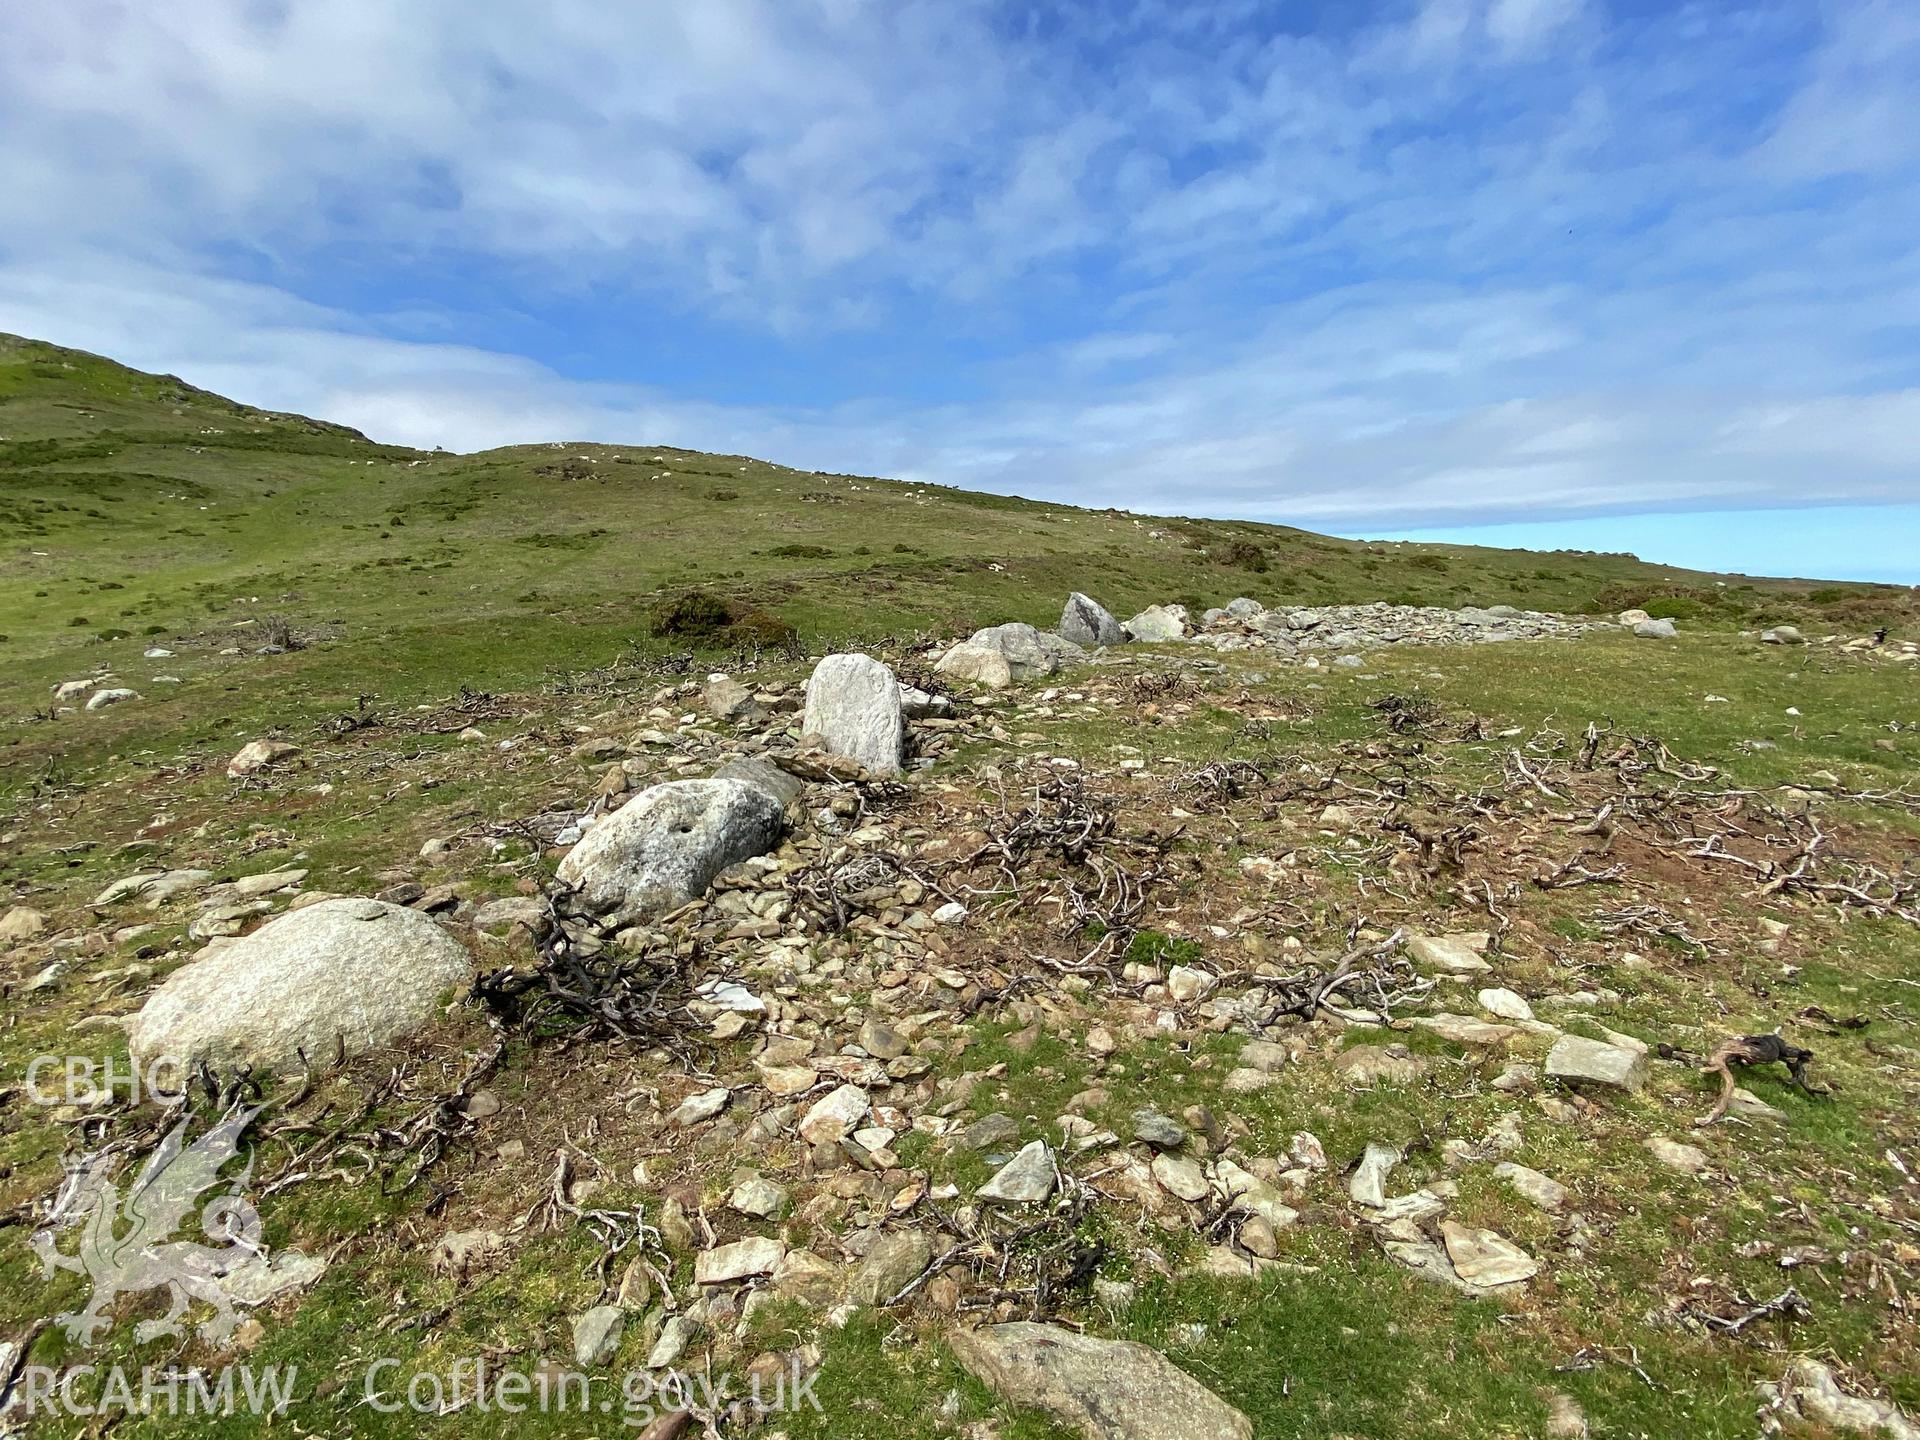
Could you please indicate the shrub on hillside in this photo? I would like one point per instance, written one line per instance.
(703, 617)
(1241, 555)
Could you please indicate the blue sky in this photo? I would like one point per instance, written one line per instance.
(1625, 275)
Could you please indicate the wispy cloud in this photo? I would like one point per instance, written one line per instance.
(1456, 261)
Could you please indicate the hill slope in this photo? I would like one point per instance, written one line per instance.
(1405, 1146)
(143, 509)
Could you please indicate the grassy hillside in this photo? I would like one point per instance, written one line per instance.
(1648, 843)
(141, 511)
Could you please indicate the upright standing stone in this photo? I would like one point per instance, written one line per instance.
(1086, 621)
(853, 705)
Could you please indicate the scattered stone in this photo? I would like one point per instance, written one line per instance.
(1485, 1258)
(1160, 1131)
(1688, 1159)
(1105, 1389)
(100, 699)
(1783, 635)
(1543, 1190)
(1506, 1004)
(597, 1334)
(1186, 984)
(853, 705)
(1454, 954)
(1030, 654)
(1811, 1388)
(664, 846)
(21, 923)
(698, 1107)
(757, 770)
(1654, 629)
(1749, 1106)
(258, 755)
(834, 1115)
(460, 1251)
(1027, 1179)
(951, 913)
(336, 978)
(989, 1132)
(1466, 1029)
(756, 1255)
(880, 1040)
(727, 699)
(1378, 1064)
(896, 1259)
(676, 1335)
(976, 664)
(1086, 621)
(1576, 1059)
(1565, 1419)
(1368, 1184)
(1180, 1175)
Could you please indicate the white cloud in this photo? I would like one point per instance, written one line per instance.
(1477, 259)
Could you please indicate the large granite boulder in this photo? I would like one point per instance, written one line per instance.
(336, 978)
(1158, 624)
(1030, 654)
(976, 665)
(1086, 621)
(664, 846)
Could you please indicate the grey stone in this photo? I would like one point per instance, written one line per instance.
(758, 1197)
(853, 705)
(1159, 624)
(21, 923)
(727, 699)
(1455, 954)
(340, 976)
(1086, 621)
(741, 1260)
(895, 1260)
(676, 1335)
(698, 1107)
(989, 1132)
(758, 770)
(1160, 1131)
(258, 755)
(976, 664)
(100, 699)
(597, 1333)
(1030, 654)
(664, 846)
(834, 1115)
(1484, 1258)
(1027, 1179)
(1580, 1060)
(1543, 1190)
(1180, 1175)
(1105, 1389)
(1688, 1159)
(1654, 629)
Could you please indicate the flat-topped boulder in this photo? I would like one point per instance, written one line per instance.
(1104, 1389)
(664, 846)
(1159, 624)
(337, 978)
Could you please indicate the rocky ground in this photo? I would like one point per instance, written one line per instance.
(1286, 1022)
